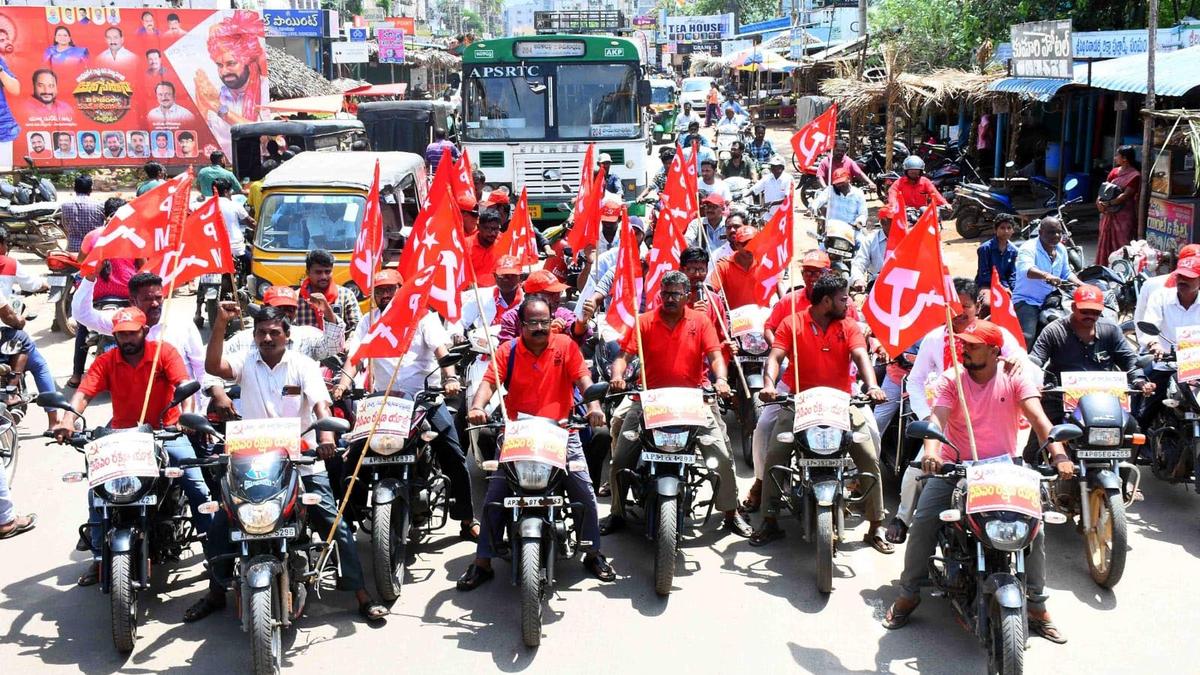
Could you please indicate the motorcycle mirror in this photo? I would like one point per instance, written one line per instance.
(234, 392)
(1070, 184)
(53, 399)
(29, 161)
(455, 355)
(595, 392)
(335, 425)
(208, 507)
(196, 422)
(1148, 328)
(332, 362)
(1064, 432)
(184, 391)
(925, 430)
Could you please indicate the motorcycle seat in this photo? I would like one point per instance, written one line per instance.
(33, 210)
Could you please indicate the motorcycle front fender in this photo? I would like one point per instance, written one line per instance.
(122, 540)
(386, 491)
(55, 295)
(1104, 478)
(530, 528)
(667, 486)
(260, 573)
(1006, 589)
(825, 492)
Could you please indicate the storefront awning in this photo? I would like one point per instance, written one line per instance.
(1175, 73)
(1037, 88)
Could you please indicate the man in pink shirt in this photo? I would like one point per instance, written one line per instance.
(996, 401)
(840, 161)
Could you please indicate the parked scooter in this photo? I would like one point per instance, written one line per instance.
(977, 206)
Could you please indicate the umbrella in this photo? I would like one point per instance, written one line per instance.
(761, 59)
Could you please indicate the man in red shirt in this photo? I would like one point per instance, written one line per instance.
(914, 188)
(675, 343)
(825, 342)
(125, 373)
(540, 372)
(733, 277)
(480, 250)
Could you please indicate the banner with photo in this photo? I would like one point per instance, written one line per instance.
(109, 86)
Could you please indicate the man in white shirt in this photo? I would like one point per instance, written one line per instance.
(116, 56)
(775, 186)
(168, 112)
(844, 201)
(418, 366)
(278, 382)
(236, 220)
(1170, 309)
(1156, 283)
(13, 273)
(497, 300)
(710, 183)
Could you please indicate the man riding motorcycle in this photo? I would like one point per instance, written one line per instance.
(914, 189)
(1041, 267)
(738, 165)
(839, 161)
(846, 202)
(1170, 309)
(759, 148)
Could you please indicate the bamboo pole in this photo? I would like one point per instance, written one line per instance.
(157, 348)
(491, 347)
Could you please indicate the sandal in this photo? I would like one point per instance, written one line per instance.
(372, 610)
(898, 618)
(203, 607)
(753, 501)
(605, 490)
(17, 526)
(74, 382)
(769, 532)
(877, 538)
(1045, 628)
(91, 577)
(469, 530)
(600, 568)
(897, 531)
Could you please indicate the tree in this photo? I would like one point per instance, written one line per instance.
(746, 11)
(471, 21)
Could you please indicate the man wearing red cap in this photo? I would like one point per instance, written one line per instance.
(733, 277)
(610, 224)
(1170, 309)
(496, 301)
(840, 162)
(710, 230)
(543, 283)
(813, 265)
(481, 250)
(1156, 283)
(125, 373)
(841, 201)
(996, 400)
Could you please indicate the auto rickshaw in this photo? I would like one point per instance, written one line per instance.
(250, 140)
(316, 200)
(407, 126)
(663, 102)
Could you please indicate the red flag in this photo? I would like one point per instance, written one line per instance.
(1003, 314)
(143, 227)
(772, 249)
(392, 333)
(899, 226)
(585, 227)
(911, 292)
(462, 184)
(518, 239)
(437, 241)
(815, 137)
(678, 210)
(623, 309)
(203, 248)
(368, 248)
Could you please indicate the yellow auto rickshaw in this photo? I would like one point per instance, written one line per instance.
(316, 200)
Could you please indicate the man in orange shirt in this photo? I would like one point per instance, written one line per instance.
(825, 342)
(733, 277)
(676, 341)
(813, 264)
(540, 372)
(481, 251)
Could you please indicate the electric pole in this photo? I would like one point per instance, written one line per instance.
(1148, 121)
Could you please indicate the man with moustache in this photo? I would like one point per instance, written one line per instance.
(238, 56)
(37, 145)
(168, 112)
(62, 145)
(89, 145)
(114, 145)
(44, 108)
(116, 56)
(137, 144)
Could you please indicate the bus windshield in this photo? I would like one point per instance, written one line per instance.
(504, 108)
(596, 101)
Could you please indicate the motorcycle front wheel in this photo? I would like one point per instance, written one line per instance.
(266, 640)
(1006, 644)
(62, 311)
(389, 539)
(1104, 545)
(122, 602)
(10, 445)
(747, 420)
(666, 546)
(824, 542)
(531, 591)
(967, 224)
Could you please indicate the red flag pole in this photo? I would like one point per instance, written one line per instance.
(491, 347)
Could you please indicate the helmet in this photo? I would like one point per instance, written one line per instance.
(913, 162)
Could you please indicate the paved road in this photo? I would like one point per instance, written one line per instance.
(734, 608)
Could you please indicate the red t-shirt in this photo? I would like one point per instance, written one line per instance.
(483, 260)
(128, 384)
(824, 355)
(740, 286)
(918, 195)
(541, 385)
(783, 308)
(675, 357)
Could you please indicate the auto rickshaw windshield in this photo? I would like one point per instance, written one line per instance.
(300, 222)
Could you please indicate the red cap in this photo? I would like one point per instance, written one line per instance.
(388, 277)
(508, 264)
(1189, 251)
(1189, 267)
(467, 202)
(610, 210)
(714, 198)
(281, 296)
(982, 333)
(498, 198)
(128, 319)
(1089, 297)
(816, 258)
(543, 281)
(744, 234)
(840, 176)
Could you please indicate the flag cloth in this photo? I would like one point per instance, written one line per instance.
(144, 226)
(461, 181)
(679, 209)
(623, 309)
(392, 333)
(898, 229)
(518, 240)
(911, 292)
(815, 138)
(203, 248)
(368, 247)
(437, 241)
(772, 248)
(1003, 314)
(585, 227)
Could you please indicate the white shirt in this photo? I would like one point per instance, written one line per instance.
(473, 315)
(123, 57)
(1150, 288)
(773, 189)
(23, 278)
(310, 341)
(263, 394)
(175, 114)
(420, 361)
(233, 214)
(718, 186)
(849, 208)
(930, 365)
(1165, 312)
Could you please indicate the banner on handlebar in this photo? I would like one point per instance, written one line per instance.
(673, 407)
(1003, 487)
(125, 454)
(824, 407)
(394, 424)
(1187, 353)
(535, 439)
(251, 437)
(747, 319)
(1077, 384)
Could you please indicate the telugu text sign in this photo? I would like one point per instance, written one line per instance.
(391, 45)
(395, 418)
(824, 407)
(127, 454)
(264, 435)
(1187, 353)
(1003, 487)
(1077, 384)
(673, 406)
(1042, 49)
(535, 439)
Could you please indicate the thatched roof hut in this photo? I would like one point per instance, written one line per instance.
(291, 78)
(914, 91)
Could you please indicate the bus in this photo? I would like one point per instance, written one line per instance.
(531, 106)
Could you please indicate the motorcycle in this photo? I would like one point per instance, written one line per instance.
(982, 542)
(977, 207)
(63, 277)
(144, 515)
(208, 296)
(751, 357)
(277, 555)
(819, 468)
(1176, 431)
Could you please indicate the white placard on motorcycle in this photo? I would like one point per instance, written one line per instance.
(823, 407)
(535, 439)
(125, 454)
(395, 421)
(478, 337)
(1077, 384)
(264, 435)
(1187, 353)
(673, 407)
(747, 319)
(1003, 487)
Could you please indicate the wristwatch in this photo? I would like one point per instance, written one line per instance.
(223, 110)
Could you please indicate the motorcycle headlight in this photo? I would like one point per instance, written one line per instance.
(1110, 437)
(754, 344)
(1007, 536)
(669, 441)
(532, 475)
(259, 518)
(123, 489)
(823, 440)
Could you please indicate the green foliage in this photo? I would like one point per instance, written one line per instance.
(471, 21)
(749, 11)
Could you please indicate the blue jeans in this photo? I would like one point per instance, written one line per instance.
(36, 364)
(192, 482)
(1028, 316)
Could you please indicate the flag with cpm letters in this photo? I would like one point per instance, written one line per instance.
(518, 240)
(203, 248)
(368, 248)
(392, 333)
(437, 241)
(462, 184)
(585, 223)
(144, 226)
(679, 210)
(623, 310)
(910, 294)
(1003, 314)
(772, 249)
(815, 138)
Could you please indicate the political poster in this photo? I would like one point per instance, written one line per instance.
(260, 436)
(535, 439)
(128, 454)
(109, 86)
(391, 45)
(673, 406)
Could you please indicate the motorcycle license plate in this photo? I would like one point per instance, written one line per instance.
(148, 500)
(211, 293)
(57, 282)
(753, 359)
(1191, 416)
(824, 462)
(1103, 454)
(669, 458)
(535, 211)
(511, 502)
(394, 459)
(281, 533)
(210, 278)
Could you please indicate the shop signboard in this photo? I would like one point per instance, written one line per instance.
(350, 52)
(1042, 49)
(1171, 222)
(294, 22)
(391, 45)
(696, 28)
